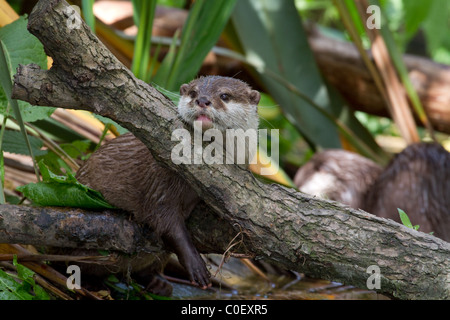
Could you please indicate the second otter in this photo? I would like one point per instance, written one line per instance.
(417, 180)
(128, 176)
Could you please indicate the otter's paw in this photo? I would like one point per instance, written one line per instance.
(197, 272)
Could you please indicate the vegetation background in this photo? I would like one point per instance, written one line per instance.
(264, 42)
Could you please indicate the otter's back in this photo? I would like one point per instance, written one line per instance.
(417, 181)
(128, 176)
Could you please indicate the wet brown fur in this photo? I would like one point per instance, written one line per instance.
(417, 181)
(352, 174)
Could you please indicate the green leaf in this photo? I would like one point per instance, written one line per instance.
(172, 3)
(23, 48)
(415, 12)
(113, 279)
(405, 219)
(12, 199)
(28, 283)
(173, 96)
(435, 34)
(107, 121)
(13, 142)
(204, 25)
(63, 195)
(162, 76)
(88, 13)
(143, 13)
(26, 289)
(10, 289)
(76, 149)
(5, 83)
(40, 293)
(2, 163)
(63, 191)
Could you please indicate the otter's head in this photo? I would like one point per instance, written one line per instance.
(220, 103)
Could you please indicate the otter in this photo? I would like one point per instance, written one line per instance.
(128, 176)
(417, 180)
(338, 175)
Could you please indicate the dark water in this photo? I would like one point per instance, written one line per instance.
(236, 280)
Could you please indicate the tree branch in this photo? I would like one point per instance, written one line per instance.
(106, 230)
(73, 228)
(320, 238)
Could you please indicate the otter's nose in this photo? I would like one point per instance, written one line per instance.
(203, 102)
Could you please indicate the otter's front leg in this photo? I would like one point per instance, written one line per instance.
(178, 240)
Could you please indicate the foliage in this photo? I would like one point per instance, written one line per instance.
(13, 142)
(63, 191)
(22, 47)
(263, 28)
(9, 59)
(268, 36)
(88, 13)
(143, 13)
(271, 37)
(406, 20)
(203, 27)
(405, 220)
(429, 18)
(173, 3)
(282, 59)
(25, 51)
(21, 286)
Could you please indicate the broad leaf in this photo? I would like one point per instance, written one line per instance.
(63, 191)
(23, 48)
(405, 219)
(272, 36)
(13, 142)
(203, 27)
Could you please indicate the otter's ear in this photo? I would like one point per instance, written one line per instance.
(254, 96)
(184, 89)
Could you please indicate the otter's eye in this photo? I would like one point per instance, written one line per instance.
(225, 97)
(193, 94)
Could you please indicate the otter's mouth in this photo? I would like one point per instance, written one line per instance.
(206, 121)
